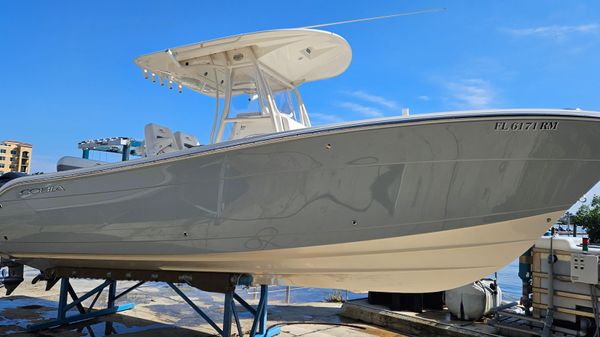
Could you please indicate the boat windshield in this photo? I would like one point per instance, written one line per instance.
(285, 103)
(246, 104)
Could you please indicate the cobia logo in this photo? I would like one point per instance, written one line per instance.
(41, 190)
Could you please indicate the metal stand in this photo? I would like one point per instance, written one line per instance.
(84, 314)
(259, 324)
(224, 283)
(549, 319)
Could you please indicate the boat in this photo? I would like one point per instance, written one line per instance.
(417, 203)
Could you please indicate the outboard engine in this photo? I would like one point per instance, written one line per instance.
(6, 177)
(11, 275)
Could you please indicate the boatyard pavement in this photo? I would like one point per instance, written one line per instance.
(160, 312)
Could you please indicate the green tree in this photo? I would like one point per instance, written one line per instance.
(588, 216)
(564, 220)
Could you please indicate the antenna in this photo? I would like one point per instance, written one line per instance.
(423, 11)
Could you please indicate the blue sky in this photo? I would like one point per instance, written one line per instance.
(68, 69)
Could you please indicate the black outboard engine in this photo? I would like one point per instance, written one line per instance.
(11, 275)
(6, 177)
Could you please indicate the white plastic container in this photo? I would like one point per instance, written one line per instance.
(473, 301)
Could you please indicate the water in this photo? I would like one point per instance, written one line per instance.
(303, 295)
(508, 280)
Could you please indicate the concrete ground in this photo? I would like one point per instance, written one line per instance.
(426, 323)
(160, 312)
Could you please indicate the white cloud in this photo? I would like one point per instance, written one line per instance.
(554, 31)
(424, 98)
(320, 118)
(364, 110)
(388, 103)
(472, 93)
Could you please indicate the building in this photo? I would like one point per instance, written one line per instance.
(15, 156)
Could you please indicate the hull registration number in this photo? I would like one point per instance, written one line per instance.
(525, 126)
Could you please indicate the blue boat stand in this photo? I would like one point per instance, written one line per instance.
(84, 314)
(230, 314)
(259, 323)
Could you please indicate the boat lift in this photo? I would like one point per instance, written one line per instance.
(225, 283)
(124, 145)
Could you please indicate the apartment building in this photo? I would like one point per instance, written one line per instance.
(15, 156)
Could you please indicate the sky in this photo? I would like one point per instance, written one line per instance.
(69, 75)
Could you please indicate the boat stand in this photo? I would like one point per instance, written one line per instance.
(224, 283)
(259, 323)
(64, 307)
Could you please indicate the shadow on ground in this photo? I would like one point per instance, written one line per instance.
(17, 312)
(157, 314)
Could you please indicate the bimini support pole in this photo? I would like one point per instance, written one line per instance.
(226, 104)
(264, 92)
(64, 306)
(230, 315)
(302, 107)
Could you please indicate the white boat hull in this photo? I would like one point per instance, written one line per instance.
(413, 205)
(421, 263)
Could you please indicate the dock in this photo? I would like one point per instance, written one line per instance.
(427, 323)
